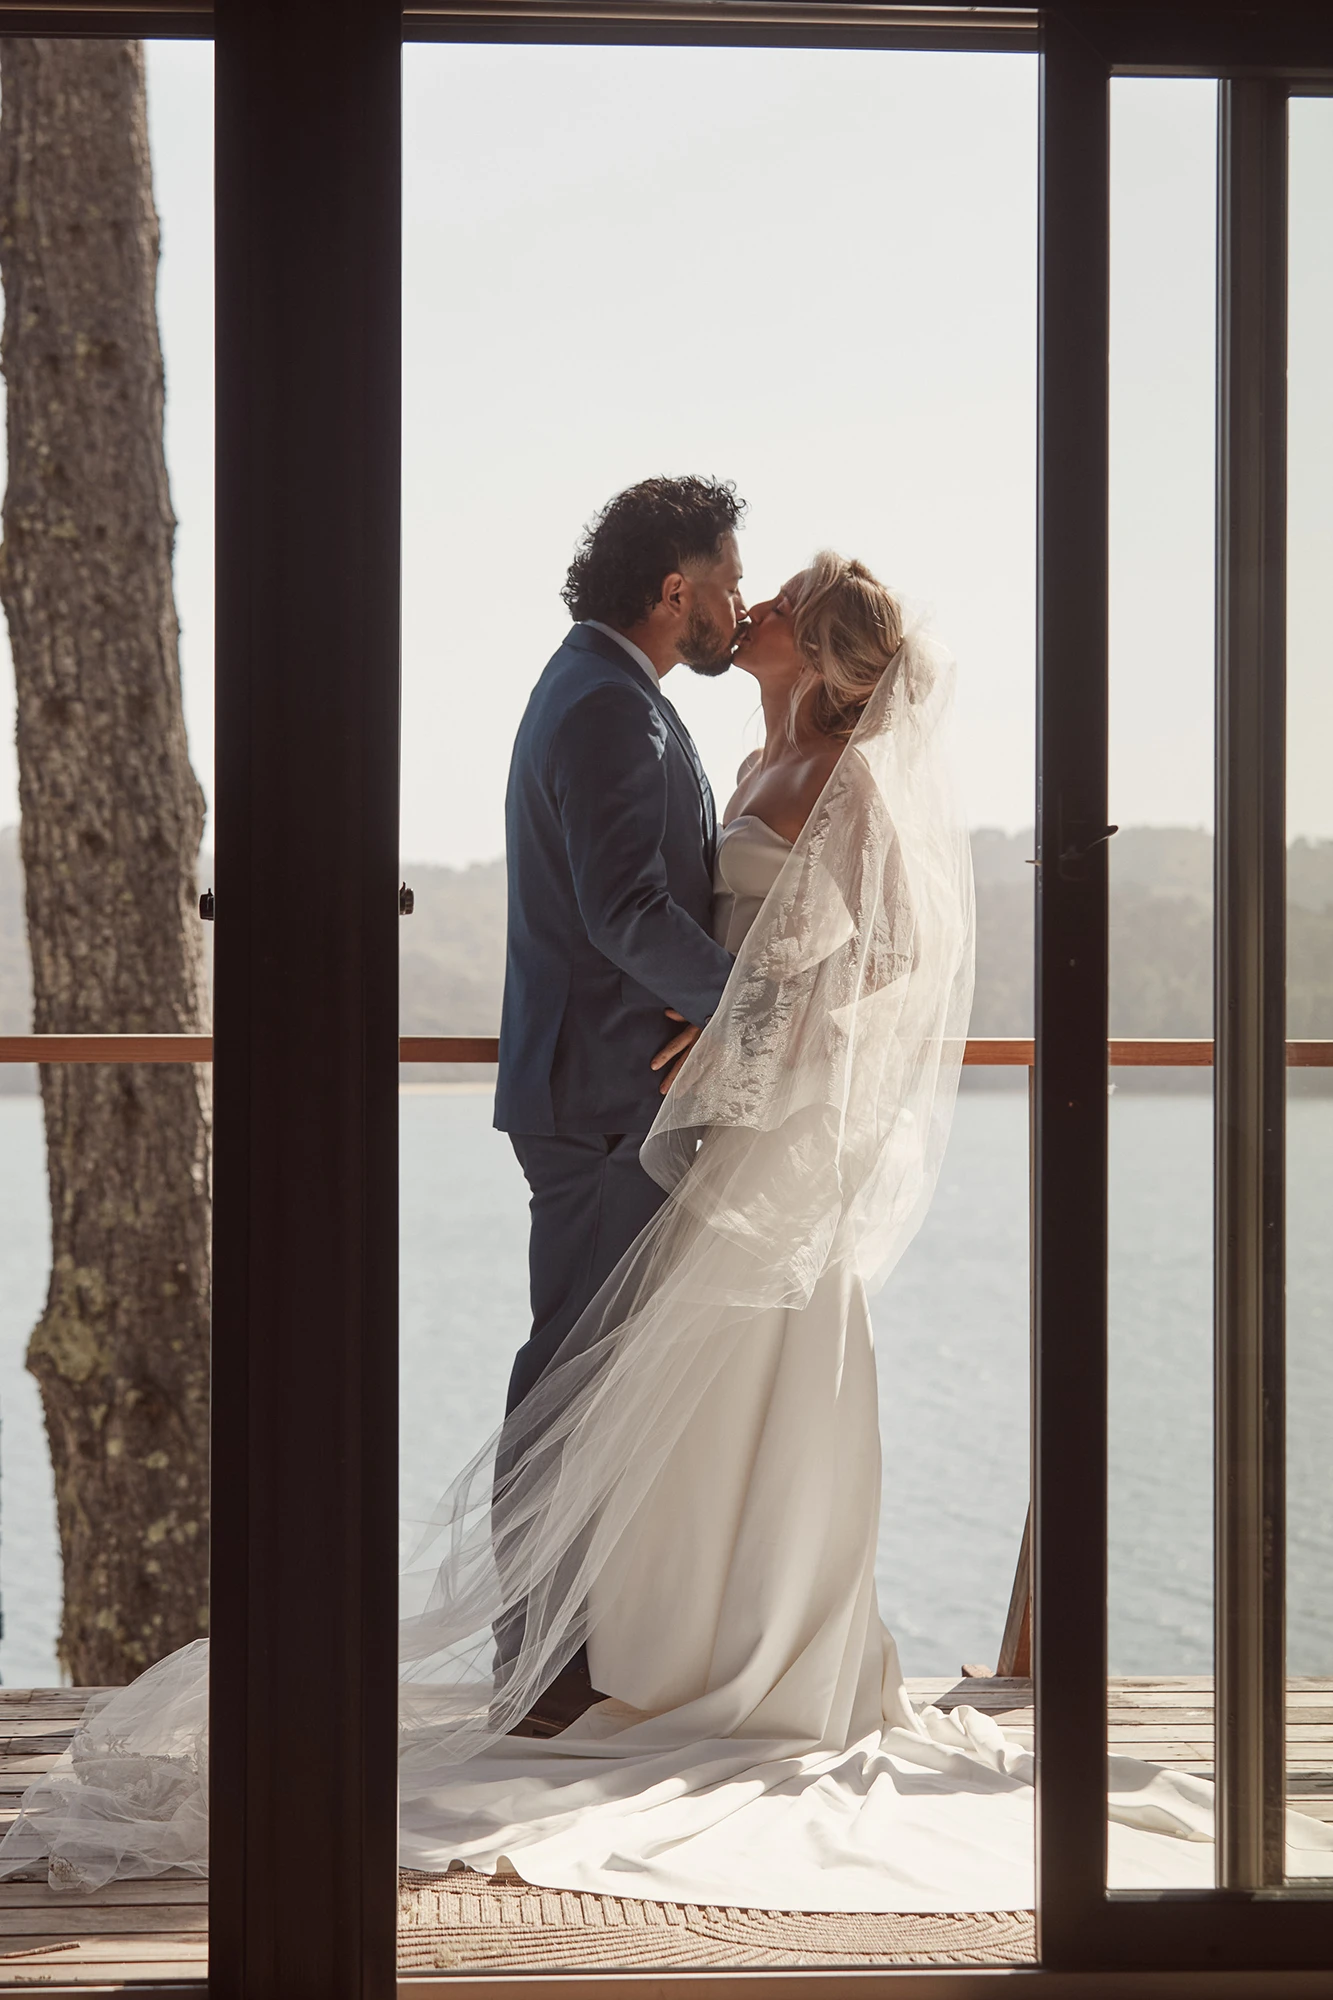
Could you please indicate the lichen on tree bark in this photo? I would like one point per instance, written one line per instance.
(111, 820)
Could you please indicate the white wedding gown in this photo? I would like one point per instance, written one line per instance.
(695, 1491)
(759, 1748)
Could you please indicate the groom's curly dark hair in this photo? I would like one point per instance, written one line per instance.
(640, 538)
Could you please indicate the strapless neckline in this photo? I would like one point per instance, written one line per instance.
(750, 857)
(753, 819)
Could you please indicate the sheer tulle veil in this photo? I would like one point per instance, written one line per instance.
(806, 1130)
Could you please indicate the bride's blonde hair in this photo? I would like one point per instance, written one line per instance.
(848, 630)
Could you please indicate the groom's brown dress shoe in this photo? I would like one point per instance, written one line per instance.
(569, 1696)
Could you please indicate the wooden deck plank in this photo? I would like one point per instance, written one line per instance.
(72, 1970)
(90, 1920)
(114, 1960)
(34, 1745)
(112, 1949)
(64, 1700)
(172, 1889)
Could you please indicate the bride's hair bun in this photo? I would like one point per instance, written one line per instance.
(849, 628)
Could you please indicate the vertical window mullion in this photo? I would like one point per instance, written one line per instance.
(303, 1699)
(1069, 1651)
(1250, 1011)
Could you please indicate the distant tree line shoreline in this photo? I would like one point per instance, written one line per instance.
(452, 948)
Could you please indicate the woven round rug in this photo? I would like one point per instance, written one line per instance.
(462, 1919)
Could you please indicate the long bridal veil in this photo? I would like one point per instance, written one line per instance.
(805, 1133)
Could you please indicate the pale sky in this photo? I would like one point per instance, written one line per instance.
(813, 273)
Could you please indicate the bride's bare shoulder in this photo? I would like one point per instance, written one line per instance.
(749, 766)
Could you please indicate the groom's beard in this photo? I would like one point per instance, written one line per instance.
(703, 648)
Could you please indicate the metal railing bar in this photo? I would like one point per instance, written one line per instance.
(982, 1052)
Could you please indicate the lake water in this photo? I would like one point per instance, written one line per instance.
(952, 1333)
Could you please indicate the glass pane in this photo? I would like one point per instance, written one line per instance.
(1163, 205)
(1309, 971)
(767, 266)
(103, 802)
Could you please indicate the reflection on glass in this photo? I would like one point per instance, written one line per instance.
(1309, 961)
(1163, 201)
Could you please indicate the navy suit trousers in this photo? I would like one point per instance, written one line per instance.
(590, 1199)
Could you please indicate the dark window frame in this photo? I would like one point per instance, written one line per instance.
(306, 1220)
(1254, 1920)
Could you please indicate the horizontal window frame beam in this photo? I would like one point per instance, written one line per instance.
(177, 20)
(729, 24)
(1283, 39)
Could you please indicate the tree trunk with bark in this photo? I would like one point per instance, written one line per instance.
(112, 817)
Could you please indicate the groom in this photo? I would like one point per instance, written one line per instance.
(610, 831)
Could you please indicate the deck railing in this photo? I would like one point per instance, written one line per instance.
(983, 1052)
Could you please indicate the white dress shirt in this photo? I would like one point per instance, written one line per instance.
(635, 652)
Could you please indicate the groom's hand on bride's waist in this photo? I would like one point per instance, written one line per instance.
(671, 1058)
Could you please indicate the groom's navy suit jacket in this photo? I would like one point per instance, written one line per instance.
(610, 831)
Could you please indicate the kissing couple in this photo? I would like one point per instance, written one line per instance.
(641, 1647)
(627, 906)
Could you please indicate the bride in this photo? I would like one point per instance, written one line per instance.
(693, 1490)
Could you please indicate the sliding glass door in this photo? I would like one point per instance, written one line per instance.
(1260, 1911)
